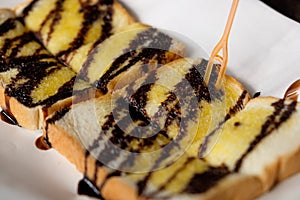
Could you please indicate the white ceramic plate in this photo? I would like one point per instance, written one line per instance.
(264, 54)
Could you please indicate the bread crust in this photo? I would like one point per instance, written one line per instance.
(26, 117)
(34, 118)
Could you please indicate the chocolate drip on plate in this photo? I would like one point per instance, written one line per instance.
(86, 187)
(42, 144)
(8, 118)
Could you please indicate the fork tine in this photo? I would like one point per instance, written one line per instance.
(221, 45)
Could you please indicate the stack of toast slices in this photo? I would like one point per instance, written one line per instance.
(120, 101)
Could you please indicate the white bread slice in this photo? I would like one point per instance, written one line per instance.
(33, 83)
(68, 133)
(260, 141)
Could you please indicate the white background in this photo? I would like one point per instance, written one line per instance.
(264, 54)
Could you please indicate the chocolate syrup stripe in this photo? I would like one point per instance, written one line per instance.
(8, 25)
(92, 13)
(55, 14)
(57, 116)
(137, 52)
(87, 187)
(232, 111)
(24, 39)
(170, 179)
(146, 54)
(202, 182)
(64, 91)
(199, 183)
(34, 72)
(15, 43)
(283, 112)
(28, 8)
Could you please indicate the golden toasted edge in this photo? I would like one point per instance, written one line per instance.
(124, 11)
(26, 117)
(234, 187)
(34, 118)
(5, 14)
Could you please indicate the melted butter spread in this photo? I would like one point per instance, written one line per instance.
(49, 85)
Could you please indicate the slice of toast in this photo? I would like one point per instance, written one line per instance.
(33, 83)
(135, 50)
(155, 124)
(64, 26)
(261, 141)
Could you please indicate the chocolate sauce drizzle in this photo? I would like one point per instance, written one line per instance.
(138, 101)
(281, 114)
(101, 10)
(8, 25)
(202, 182)
(92, 13)
(57, 116)
(31, 68)
(56, 15)
(147, 45)
(28, 8)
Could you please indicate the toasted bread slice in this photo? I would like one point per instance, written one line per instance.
(64, 26)
(166, 115)
(33, 82)
(135, 50)
(261, 141)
